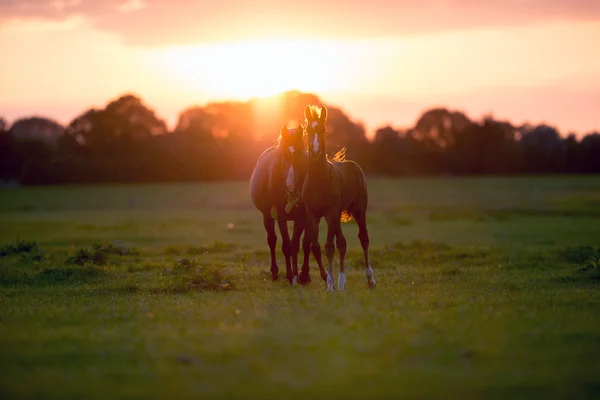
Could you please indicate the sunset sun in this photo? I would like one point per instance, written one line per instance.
(253, 69)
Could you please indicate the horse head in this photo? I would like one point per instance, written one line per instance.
(315, 130)
(291, 152)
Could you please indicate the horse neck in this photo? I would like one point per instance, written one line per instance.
(317, 169)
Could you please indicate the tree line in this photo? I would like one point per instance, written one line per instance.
(127, 142)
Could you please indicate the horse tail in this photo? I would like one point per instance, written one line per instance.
(346, 216)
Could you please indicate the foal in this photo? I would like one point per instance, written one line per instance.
(335, 190)
(275, 191)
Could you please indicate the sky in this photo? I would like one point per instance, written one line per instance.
(383, 62)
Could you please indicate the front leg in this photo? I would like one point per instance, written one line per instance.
(304, 276)
(295, 247)
(285, 246)
(312, 227)
(269, 224)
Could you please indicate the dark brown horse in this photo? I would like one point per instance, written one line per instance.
(275, 191)
(335, 190)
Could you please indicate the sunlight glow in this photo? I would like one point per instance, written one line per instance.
(258, 69)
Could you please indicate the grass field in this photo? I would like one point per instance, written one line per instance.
(487, 288)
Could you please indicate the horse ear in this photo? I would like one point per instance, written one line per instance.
(323, 114)
(307, 113)
(284, 130)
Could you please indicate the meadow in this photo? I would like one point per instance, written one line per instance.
(486, 288)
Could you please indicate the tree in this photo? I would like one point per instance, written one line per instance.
(386, 146)
(487, 148)
(542, 149)
(116, 129)
(440, 126)
(590, 153)
(8, 162)
(37, 128)
(195, 121)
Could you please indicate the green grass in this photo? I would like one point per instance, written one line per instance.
(487, 288)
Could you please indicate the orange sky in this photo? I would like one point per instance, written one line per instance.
(381, 61)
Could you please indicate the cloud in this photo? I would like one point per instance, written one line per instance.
(57, 9)
(180, 22)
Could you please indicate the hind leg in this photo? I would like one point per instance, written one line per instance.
(340, 243)
(363, 235)
(332, 229)
(269, 224)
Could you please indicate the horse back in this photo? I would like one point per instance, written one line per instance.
(354, 184)
(262, 180)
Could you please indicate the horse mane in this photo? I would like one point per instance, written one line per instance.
(315, 112)
(278, 140)
(340, 155)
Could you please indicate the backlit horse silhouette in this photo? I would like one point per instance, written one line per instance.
(275, 187)
(334, 190)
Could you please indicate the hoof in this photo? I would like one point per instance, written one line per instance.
(330, 282)
(304, 279)
(371, 283)
(275, 277)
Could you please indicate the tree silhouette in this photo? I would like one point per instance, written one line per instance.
(542, 149)
(487, 148)
(117, 129)
(440, 126)
(3, 125)
(590, 153)
(37, 128)
(127, 142)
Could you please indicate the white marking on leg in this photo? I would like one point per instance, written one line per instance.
(369, 274)
(294, 281)
(341, 281)
(289, 182)
(316, 144)
(330, 282)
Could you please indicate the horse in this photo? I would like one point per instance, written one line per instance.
(275, 191)
(335, 190)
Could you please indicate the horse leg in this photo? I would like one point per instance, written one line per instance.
(340, 243)
(330, 249)
(269, 224)
(286, 247)
(304, 277)
(295, 248)
(363, 235)
(312, 227)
